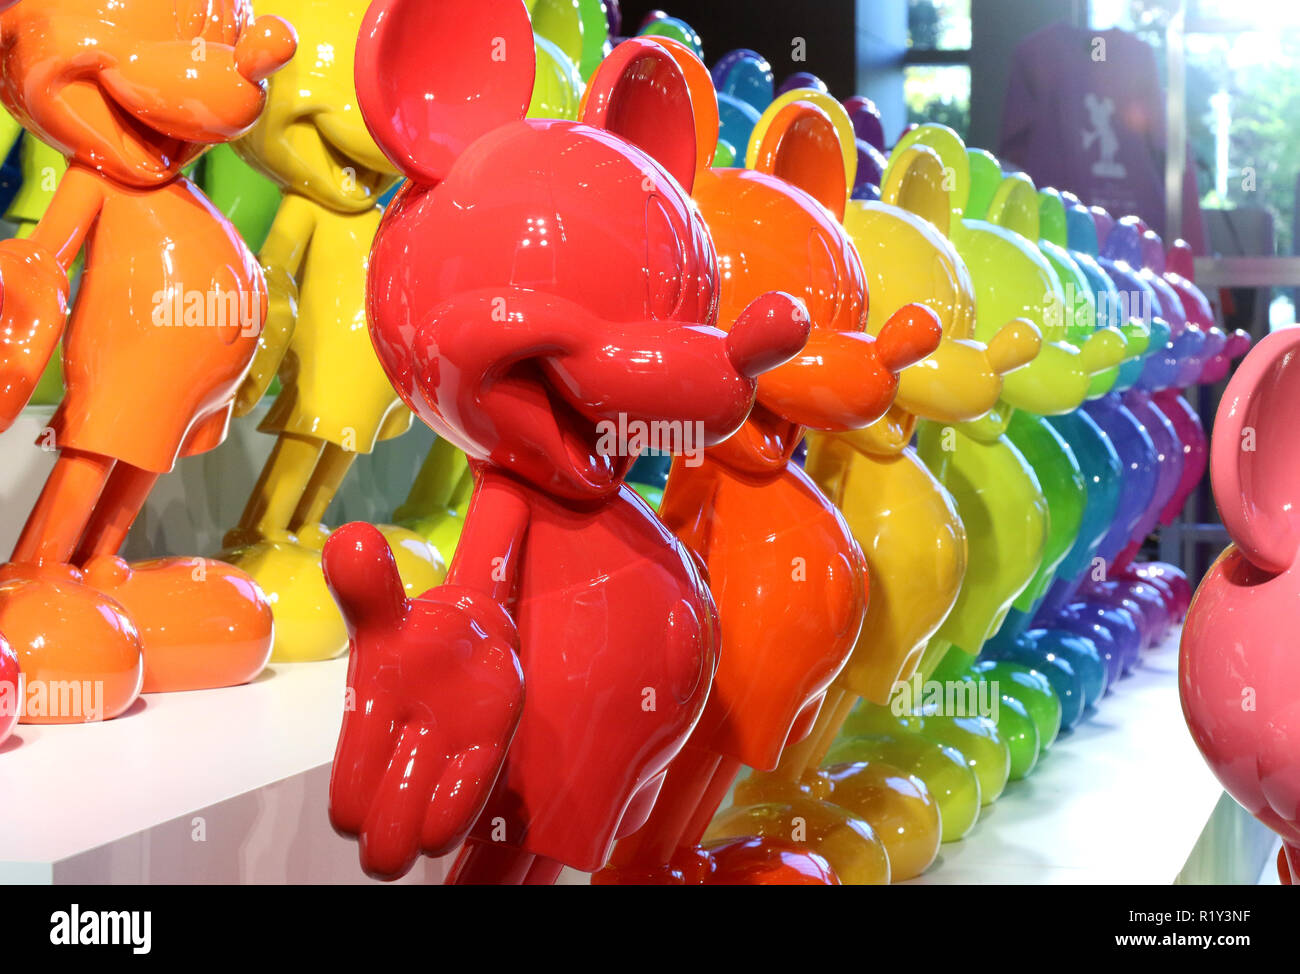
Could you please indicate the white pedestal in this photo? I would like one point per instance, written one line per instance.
(1124, 798)
(218, 786)
(230, 786)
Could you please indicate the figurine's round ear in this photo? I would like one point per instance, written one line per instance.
(866, 121)
(640, 94)
(985, 178)
(704, 100)
(1015, 206)
(1252, 468)
(434, 75)
(1104, 223)
(557, 88)
(675, 28)
(746, 76)
(1123, 242)
(576, 27)
(1081, 230)
(1153, 252)
(916, 182)
(948, 145)
(1180, 260)
(806, 138)
(1052, 224)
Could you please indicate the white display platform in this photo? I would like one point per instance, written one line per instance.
(1124, 798)
(230, 786)
(218, 786)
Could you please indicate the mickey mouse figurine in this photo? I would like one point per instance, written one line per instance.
(788, 576)
(335, 402)
(162, 332)
(535, 285)
(1238, 672)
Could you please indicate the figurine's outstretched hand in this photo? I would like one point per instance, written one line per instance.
(435, 691)
(34, 310)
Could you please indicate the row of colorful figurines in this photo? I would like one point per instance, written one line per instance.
(990, 377)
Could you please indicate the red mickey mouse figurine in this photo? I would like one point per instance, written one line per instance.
(534, 286)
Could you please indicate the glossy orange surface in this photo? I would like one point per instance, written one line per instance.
(789, 579)
(161, 334)
(535, 282)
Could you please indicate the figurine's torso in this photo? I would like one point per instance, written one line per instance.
(617, 635)
(1005, 514)
(339, 391)
(790, 583)
(163, 329)
(915, 545)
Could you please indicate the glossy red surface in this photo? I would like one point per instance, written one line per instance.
(1239, 674)
(536, 287)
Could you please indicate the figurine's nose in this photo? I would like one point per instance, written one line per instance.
(1103, 350)
(911, 333)
(1014, 345)
(769, 332)
(265, 49)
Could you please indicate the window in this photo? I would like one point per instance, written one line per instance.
(936, 68)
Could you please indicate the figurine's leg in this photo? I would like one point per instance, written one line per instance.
(279, 489)
(119, 505)
(437, 484)
(202, 623)
(332, 466)
(68, 633)
(543, 872)
(1288, 864)
(714, 795)
(420, 566)
(490, 864)
(688, 779)
(803, 756)
(67, 501)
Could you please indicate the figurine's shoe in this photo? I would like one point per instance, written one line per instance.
(949, 779)
(975, 738)
(1170, 575)
(441, 529)
(1141, 601)
(897, 806)
(77, 647)
(419, 562)
(1067, 685)
(287, 567)
(798, 825)
(9, 679)
(308, 626)
(754, 861)
(202, 623)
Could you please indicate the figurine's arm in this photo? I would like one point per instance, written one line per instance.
(434, 683)
(281, 259)
(62, 230)
(35, 270)
(846, 380)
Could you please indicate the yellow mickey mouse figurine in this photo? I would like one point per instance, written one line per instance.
(335, 400)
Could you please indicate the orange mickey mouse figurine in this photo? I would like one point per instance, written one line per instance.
(160, 336)
(789, 578)
(536, 291)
